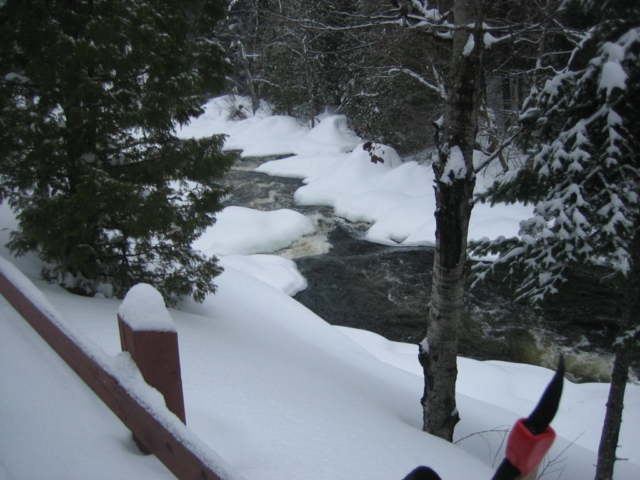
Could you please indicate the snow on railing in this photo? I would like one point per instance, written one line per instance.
(118, 382)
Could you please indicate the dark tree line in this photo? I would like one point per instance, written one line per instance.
(383, 64)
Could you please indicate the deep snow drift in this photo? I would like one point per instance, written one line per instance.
(269, 386)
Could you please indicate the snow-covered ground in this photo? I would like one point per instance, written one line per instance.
(269, 386)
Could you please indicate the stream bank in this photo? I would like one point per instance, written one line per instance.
(355, 283)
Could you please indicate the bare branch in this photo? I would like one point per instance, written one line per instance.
(439, 89)
(496, 153)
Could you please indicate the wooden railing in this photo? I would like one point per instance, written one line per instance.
(182, 458)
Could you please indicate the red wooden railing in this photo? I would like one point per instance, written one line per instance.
(181, 460)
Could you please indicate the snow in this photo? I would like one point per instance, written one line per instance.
(240, 230)
(613, 55)
(300, 166)
(143, 309)
(354, 174)
(265, 134)
(276, 271)
(489, 40)
(16, 77)
(455, 168)
(52, 425)
(271, 136)
(278, 393)
(468, 48)
(65, 397)
(396, 197)
(271, 390)
(613, 76)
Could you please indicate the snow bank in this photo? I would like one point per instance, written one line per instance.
(121, 367)
(330, 136)
(279, 393)
(399, 204)
(301, 166)
(281, 135)
(396, 197)
(492, 395)
(270, 136)
(354, 174)
(244, 231)
(321, 407)
(218, 117)
(263, 134)
(278, 272)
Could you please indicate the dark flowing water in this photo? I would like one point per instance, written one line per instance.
(386, 290)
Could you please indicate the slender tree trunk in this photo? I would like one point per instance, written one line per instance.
(454, 192)
(308, 75)
(613, 417)
(619, 376)
(255, 101)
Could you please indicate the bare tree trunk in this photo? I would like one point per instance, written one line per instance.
(308, 75)
(454, 192)
(613, 417)
(514, 88)
(255, 101)
(619, 376)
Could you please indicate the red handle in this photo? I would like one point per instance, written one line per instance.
(525, 450)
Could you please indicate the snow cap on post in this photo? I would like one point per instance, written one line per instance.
(143, 309)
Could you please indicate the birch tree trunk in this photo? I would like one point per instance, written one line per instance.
(455, 180)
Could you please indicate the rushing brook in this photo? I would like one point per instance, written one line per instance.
(386, 290)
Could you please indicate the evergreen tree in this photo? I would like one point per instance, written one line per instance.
(91, 93)
(584, 180)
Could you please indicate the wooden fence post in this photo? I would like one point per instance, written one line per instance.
(182, 453)
(147, 332)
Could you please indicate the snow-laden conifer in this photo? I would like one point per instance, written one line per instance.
(584, 174)
(584, 180)
(90, 95)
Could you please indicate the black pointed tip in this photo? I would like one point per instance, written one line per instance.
(546, 409)
(422, 473)
(560, 369)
